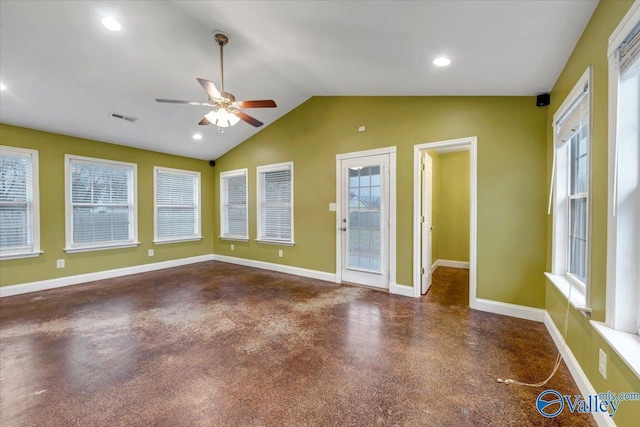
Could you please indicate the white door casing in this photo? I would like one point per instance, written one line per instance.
(376, 268)
(427, 221)
(364, 220)
(469, 143)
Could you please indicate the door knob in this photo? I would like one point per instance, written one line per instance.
(343, 228)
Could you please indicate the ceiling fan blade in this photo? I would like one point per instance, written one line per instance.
(209, 87)
(175, 101)
(263, 103)
(247, 118)
(204, 121)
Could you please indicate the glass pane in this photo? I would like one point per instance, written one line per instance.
(15, 221)
(579, 162)
(365, 179)
(582, 175)
(364, 246)
(578, 238)
(375, 197)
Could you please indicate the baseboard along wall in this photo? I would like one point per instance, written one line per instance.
(42, 285)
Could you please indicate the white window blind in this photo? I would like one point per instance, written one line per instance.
(275, 203)
(18, 202)
(177, 199)
(233, 205)
(628, 54)
(101, 203)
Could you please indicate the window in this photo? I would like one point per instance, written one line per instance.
(101, 209)
(275, 203)
(233, 205)
(623, 247)
(578, 173)
(177, 205)
(571, 194)
(19, 214)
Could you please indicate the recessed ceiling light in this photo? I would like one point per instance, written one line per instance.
(442, 61)
(111, 23)
(2, 86)
(197, 136)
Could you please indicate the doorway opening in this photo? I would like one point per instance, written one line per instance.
(423, 224)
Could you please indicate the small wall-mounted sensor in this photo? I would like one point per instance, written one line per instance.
(362, 128)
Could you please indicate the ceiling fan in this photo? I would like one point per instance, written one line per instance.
(226, 111)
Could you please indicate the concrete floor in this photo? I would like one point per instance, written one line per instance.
(215, 344)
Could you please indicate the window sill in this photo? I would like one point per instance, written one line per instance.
(276, 242)
(100, 248)
(186, 239)
(625, 344)
(234, 239)
(578, 297)
(20, 255)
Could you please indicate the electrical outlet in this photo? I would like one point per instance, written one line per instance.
(60, 263)
(602, 363)
(280, 253)
(233, 247)
(151, 252)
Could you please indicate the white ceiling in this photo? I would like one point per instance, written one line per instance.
(65, 72)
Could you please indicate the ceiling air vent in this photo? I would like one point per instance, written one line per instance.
(123, 117)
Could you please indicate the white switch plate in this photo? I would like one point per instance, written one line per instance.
(60, 263)
(280, 253)
(333, 207)
(233, 247)
(602, 363)
(151, 253)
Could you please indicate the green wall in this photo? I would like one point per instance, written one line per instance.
(453, 211)
(582, 339)
(511, 135)
(51, 150)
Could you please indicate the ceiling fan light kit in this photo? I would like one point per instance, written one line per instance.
(226, 111)
(222, 117)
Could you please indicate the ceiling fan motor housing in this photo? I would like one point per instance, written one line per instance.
(229, 97)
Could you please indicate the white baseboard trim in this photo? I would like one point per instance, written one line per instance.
(23, 288)
(435, 265)
(451, 263)
(405, 291)
(513, 310)
(280, 268)
(583, 383)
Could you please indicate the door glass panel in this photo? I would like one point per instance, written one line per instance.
(364, 228)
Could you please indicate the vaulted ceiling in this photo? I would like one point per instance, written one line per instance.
(64, 72)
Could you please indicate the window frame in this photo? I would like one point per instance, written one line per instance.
(223, 215)
(35, 205)
(190, 238)
(71, 247)
(274, 168)
(619, 308)
(567, 283)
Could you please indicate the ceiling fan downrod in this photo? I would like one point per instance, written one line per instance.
(222, 40)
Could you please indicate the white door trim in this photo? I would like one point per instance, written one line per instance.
(470, 143)
(392, 208)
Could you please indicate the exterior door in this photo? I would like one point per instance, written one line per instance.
(364, 186)
(426, 221)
